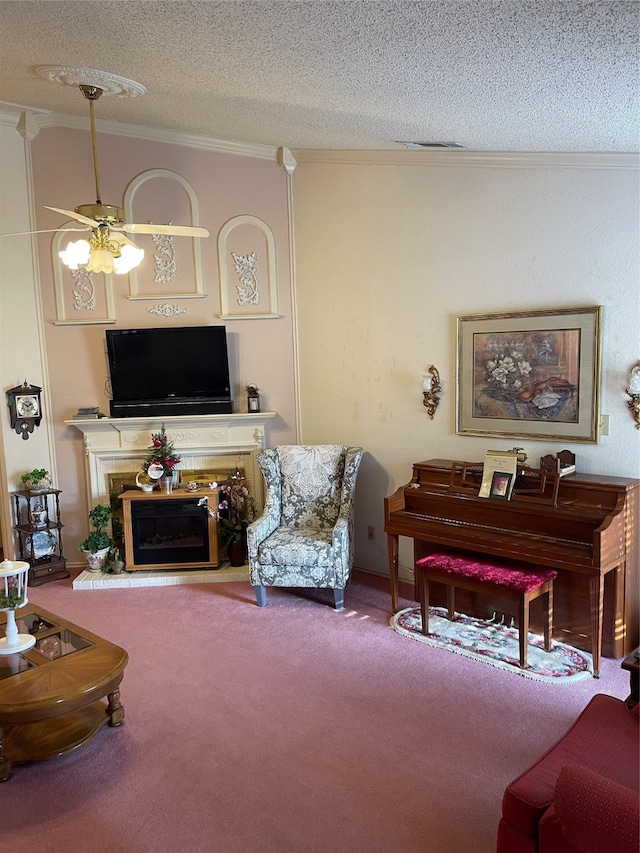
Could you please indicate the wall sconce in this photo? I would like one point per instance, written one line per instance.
(634, 392)
(431, 390)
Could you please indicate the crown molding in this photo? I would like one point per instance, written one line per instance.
(473, 159)
(171, 137)
(10, 114)
(563, 160)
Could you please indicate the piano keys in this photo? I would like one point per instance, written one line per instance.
(583, 525)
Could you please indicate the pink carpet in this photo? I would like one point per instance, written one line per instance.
(288, 729)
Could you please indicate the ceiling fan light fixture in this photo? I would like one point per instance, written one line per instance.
(104, 252)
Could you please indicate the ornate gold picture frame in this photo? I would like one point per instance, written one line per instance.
(530, 375)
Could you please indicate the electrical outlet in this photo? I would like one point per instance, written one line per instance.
(371, 532)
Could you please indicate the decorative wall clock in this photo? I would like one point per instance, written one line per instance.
(25, 409)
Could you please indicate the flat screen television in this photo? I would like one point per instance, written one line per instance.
(169, 371)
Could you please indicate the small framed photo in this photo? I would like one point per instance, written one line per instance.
(501, 485)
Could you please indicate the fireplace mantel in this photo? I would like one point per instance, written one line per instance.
(114, 445)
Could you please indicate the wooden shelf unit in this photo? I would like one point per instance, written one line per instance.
(46, 563)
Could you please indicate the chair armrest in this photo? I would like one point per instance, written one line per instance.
(352, 458)
(595, 813)
(260, 528)
(340, 534)
(266, 523)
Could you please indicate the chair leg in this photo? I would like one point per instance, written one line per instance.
(261, 595)
(338, 597)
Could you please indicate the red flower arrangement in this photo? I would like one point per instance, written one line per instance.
(161, 453)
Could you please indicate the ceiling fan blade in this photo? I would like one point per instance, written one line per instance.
(171, 230)
(42, 231)
(85, 220)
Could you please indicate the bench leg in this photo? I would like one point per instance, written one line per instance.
(548, 618)
(523, 629)
(451, 602)
(423, 586)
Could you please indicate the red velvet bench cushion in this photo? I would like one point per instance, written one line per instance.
(501, 574)
(603, 739)
(517, 583)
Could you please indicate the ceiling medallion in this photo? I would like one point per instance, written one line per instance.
(111, 84)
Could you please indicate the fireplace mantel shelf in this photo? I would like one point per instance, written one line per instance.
(97, 426)
(111, 444)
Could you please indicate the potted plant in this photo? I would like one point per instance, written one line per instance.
(38, 480)
(117, 563)
(236, 509)
(162, 458)
(98, 543)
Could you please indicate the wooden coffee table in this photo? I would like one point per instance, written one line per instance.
(50, 695)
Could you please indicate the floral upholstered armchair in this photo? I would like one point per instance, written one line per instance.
(304, 538)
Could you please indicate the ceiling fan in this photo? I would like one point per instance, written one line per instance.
(108, 249)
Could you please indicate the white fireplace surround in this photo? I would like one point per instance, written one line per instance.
(120, 445)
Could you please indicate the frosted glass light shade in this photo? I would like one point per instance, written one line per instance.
(76, 254)
(100, 260)
(118, 255)
(130, 257)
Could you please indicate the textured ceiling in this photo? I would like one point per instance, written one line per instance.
(509, 75)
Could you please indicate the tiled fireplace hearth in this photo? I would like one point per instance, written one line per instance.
(170, 577)
(116, 446)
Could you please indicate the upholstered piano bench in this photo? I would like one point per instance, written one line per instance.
(519, 584)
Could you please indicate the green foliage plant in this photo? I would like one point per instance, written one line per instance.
(36, 476)
(98, 538)
(12, 599)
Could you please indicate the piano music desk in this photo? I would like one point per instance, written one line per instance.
(590, 537)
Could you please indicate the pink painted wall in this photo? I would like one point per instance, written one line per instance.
(226, 185)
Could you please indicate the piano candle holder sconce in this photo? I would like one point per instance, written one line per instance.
(431, 390)
(634, 393)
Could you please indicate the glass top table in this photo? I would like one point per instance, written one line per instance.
(50, 694)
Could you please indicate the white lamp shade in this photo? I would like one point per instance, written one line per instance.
(101, 258)
(130, 257)
(76, 254)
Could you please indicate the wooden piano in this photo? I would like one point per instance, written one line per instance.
(583, 525)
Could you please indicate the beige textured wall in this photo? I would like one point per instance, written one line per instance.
(387, 256)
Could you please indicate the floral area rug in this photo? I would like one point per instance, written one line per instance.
(494, 643)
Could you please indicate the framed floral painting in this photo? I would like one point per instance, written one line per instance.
(530, 375)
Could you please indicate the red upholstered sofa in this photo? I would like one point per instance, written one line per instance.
(581, 796)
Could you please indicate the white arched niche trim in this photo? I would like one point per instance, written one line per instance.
(247, 267)
(193, 243)
(81, 297)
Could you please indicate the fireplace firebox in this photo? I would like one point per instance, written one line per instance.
(174, 530)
